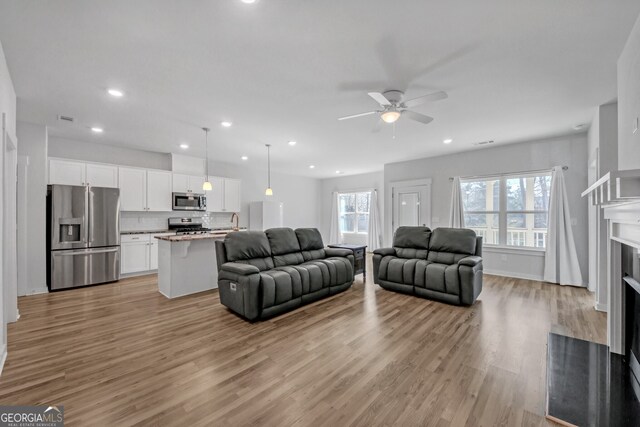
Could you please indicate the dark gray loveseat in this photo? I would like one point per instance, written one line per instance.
(444, 264)
(263, 274)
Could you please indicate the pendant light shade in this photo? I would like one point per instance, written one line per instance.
(206, 185)
(268, 191)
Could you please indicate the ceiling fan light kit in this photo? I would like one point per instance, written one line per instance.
(268, 191)
(206, 185)
(394, 106)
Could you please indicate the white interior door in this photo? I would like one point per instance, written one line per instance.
(411, 206)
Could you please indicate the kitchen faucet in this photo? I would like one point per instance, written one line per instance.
(237, 218)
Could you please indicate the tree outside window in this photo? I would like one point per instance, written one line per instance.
(354, 212)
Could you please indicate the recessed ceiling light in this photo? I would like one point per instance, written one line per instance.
(248, 1)
(292, 143)
(116, 93)
(226, 124)
(97, 130)
(448, 141)
(312, 166)
(184, 146)
(244, 158)
(578, 127)
(338, 172)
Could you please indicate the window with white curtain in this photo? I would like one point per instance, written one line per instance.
(510, 210)
(354, 212)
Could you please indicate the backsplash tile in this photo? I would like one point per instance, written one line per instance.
(142, 221)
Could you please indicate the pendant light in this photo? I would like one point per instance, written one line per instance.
(268, 191)
(206, 185)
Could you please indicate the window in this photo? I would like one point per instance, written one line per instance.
(354, 212)
(508, 210)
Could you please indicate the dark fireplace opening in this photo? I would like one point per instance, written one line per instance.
(631, 277)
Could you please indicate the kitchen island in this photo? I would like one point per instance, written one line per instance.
(187, 263)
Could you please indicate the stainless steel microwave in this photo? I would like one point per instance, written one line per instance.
(189, 202)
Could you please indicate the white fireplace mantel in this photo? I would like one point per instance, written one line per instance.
(623, 226)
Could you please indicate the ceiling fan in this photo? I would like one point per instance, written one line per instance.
(393, 106)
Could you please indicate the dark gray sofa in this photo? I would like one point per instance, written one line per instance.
(263, 274)
(444, 264)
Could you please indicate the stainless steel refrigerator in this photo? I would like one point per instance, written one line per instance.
(83, 236)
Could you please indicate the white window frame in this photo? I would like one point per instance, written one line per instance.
(355, 214)
(503, 232)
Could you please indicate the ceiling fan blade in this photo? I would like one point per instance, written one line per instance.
(436, 96)
(357, 115)
(379, 98)
(417, 117)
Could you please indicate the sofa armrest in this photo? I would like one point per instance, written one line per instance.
(471, 261)
(337, 252)
(385, 251)
(240, 268)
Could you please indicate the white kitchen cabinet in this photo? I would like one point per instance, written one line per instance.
(232, 192)
(215, 197)
(67, 172)
(98, 175)
(153, 254)
(133, 189)
(135, 254)
(187, 183)
(159, 185)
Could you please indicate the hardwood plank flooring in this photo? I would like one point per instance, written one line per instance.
(123, 354)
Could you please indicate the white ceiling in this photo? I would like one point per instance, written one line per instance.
(282, 70)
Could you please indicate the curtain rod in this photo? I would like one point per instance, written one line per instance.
(564, 168)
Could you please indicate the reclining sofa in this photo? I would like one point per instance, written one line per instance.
(444, 264)
(263, 274)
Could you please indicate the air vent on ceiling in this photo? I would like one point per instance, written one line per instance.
(66, 118)
(483, 142)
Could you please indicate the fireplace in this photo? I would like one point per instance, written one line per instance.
(631, 278)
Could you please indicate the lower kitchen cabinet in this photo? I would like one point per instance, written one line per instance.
(138, 253)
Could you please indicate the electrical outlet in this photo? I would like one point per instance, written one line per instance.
(503, 257)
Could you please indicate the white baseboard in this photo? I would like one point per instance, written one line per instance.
(40, 290)
(514, 275)
(3, 357)
(601, 307)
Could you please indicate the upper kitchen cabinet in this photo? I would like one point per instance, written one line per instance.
(102, 175)
(232, 193)
(215, 197)
(67, 172)
(133, 189)
(187, 183)
(159, 185)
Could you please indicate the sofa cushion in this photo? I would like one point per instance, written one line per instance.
(279, 287)
(411, 242)
(456, 240)
(441, 278)
(335, 271)
(311, 277)
(399, 270)
(311, 243)
(249, 247)
(284, 246)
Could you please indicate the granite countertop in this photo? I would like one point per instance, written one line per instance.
(190, 237)
(213, 230)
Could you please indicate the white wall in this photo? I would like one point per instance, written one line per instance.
(343, 184)
(93, 152)
(32, 214)
(629, 101)
(534, 155)
(8, 111)
(602, 158)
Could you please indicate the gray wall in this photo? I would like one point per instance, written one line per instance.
(31, 216)
(343, 184)
(544, 154)
(629, 101)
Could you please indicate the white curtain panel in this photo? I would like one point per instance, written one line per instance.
(335, 236)
(456, 215)
(374, 237)
(561, 259)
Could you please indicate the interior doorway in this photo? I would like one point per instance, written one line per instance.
(411, 203)
(9, 226)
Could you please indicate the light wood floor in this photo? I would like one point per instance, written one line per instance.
(122, 354)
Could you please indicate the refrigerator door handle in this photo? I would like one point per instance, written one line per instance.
(89, 215)
(85, 252)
